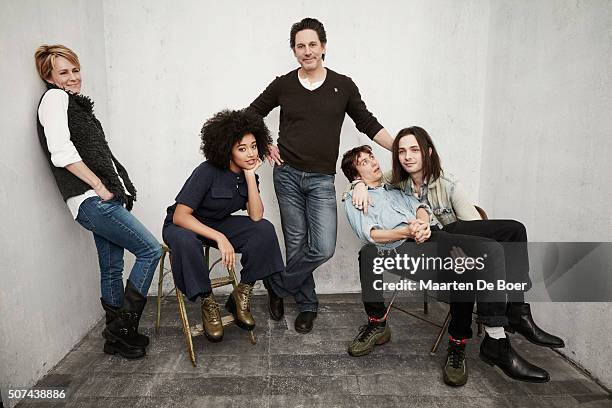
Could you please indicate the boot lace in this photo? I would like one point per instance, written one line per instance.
(246, 294)
(212, 308)
(366, 332)
(456, 354)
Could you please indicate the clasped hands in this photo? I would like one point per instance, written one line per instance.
(418, 230)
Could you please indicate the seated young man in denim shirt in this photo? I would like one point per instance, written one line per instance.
(396, 222)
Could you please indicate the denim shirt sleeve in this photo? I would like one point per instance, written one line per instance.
(360, 223)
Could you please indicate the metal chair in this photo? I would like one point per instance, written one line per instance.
(444, 326)
(198, 329)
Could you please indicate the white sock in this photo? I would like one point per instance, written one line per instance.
(495, 332)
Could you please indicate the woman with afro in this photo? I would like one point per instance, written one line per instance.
(234, 144)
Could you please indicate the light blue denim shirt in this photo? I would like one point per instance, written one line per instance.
(392, 209)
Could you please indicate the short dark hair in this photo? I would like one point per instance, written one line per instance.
(349, 161)
(221, 132)
(307, 24)
(432, 169)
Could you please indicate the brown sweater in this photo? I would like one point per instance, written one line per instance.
(310, 121)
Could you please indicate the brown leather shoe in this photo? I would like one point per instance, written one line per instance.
(211, 319)
(239, 305)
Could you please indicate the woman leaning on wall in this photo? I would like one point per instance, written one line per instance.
(99, 194)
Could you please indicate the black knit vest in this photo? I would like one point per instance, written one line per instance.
(88, 138)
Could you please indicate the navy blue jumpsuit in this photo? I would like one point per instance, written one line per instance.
(214, 194)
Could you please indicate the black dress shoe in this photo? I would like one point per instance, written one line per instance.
(276, 306)
(499, 352)
(303, 322)
(520, 320)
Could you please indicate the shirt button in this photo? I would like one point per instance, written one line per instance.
(236, 185)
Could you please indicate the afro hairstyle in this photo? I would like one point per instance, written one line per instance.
(226, 128)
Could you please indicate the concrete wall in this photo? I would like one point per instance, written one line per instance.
(546, 143)
(50, 280)
(176, 64)
(158, 70)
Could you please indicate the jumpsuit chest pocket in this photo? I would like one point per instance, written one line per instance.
(221, 192)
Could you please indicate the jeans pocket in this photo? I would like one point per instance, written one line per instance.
(108, 206)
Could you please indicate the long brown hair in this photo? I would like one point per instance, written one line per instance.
(431, 162)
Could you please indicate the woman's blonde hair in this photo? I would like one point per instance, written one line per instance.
(45, 58)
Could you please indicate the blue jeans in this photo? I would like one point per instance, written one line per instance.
(307, 203)
(115, 229)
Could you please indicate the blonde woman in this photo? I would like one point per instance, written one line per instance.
(99, 194)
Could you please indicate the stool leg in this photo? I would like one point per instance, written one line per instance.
(440, 334)
(425, 302)
(160, 289)
(186, 331)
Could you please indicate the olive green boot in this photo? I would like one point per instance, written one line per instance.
(369, 336)
(455, 369)
(211, 319)
(239, 305)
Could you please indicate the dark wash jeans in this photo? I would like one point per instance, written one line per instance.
(114, 229)
(307, 203)
(491, 306)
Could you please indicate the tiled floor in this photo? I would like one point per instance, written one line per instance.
(287, 369)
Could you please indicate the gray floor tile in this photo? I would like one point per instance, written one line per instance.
(288, 369)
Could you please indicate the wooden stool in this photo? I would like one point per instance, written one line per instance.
(198, 329)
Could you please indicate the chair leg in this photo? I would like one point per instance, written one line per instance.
(160, 290)
(434, 349)
(425, 302)
(186, 330)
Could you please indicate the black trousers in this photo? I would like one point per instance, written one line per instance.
(513, 235)
(256, 241)
(491, 306)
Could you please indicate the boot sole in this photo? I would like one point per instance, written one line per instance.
(113, 349)
(490, 362)
(212, 339)
(537, 343)
(230, 306)
(379, 342)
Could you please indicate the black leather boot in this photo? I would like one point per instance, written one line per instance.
(121, 333)
(276, 305)
(499, 352)
(520, 320)
(304, 322)
(112, 313)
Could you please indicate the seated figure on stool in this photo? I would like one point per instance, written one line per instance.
(234, 143)
(394, 222)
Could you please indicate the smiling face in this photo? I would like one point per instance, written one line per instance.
(368, 168)
(245, 153)
(309, 50)
(409, 154)
(66, 75)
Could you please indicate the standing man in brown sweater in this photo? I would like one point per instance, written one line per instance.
(313, 100)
